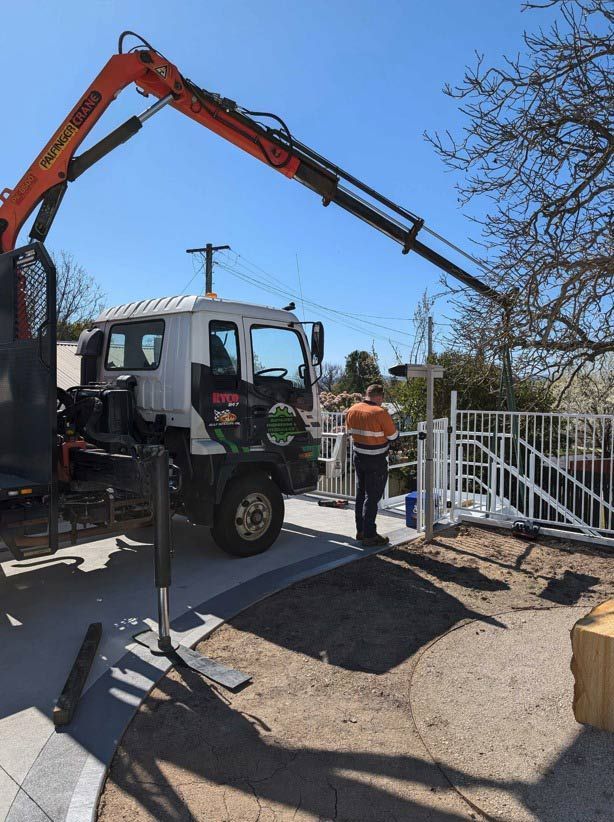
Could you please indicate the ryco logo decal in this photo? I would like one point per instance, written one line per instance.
(223, 398)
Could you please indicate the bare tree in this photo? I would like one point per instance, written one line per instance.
(538, 145)
(422, 312)
(79, 297)
(331, 374)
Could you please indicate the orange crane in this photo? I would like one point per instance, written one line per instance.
(46, 181)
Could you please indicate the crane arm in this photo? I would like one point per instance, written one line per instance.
(46, 180)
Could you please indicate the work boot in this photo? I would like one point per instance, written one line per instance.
(370, 542)
(359, 536)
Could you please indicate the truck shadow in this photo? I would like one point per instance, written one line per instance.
(392, 613)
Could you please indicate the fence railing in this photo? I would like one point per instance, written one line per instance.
(336, 453)
(403, 462)
(555, 469)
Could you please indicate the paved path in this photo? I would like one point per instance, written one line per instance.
(493, 704)
(47, 604)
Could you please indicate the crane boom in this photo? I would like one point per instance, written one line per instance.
(46, 180)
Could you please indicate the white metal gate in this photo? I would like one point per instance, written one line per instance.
(554, 469)
(441, 494)
(405, 466)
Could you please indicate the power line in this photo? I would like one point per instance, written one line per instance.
(321, 307)
(286, 292)
(313, 305)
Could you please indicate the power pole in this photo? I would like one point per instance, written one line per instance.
(208, 252)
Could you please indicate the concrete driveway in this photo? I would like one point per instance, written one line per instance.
(47, 604)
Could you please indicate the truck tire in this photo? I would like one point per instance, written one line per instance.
(249, 517)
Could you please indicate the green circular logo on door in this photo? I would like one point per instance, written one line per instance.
(281, 424)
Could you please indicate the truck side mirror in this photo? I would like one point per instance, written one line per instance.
(89, 348)
(90, 342)
(317, 343)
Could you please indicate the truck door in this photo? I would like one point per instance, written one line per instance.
(219, 393)
(280, 391)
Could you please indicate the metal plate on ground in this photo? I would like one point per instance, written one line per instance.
(228, 677)
(182, 655)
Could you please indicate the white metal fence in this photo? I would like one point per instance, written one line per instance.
(554, 469)
(403, 463)
(337, 455)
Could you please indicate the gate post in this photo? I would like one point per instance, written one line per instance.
(452, 447)
(428, 467)
(431, 372)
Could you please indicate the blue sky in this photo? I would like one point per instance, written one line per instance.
(358, 81)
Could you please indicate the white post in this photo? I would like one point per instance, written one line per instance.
(428, 473)
(532, 484)
(501, 471)
(420, 484)
(452, 445)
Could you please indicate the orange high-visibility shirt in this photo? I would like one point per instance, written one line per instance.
(371, 427)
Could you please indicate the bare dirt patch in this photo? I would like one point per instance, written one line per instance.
(325, 730)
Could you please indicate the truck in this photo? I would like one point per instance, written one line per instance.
(229, 389)
(236, 387)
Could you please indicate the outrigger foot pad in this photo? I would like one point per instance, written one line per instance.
(180, 655)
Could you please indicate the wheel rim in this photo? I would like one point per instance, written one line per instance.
(253, 516)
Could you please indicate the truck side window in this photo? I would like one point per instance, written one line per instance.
(135, 346)
(224, 349)
(278, 357)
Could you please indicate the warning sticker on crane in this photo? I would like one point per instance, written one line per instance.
(162, 71)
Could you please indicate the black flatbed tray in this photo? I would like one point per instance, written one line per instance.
(14, 483)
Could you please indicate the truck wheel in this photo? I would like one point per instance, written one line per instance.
(249, 517)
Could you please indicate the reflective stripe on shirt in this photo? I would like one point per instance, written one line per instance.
(371, 451)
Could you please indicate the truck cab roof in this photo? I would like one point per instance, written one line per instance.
(183, 304)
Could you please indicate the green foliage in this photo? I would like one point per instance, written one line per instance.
(71, 331)
(361, 369)
(477, 382)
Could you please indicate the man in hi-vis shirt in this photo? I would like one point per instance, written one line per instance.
(372, 431)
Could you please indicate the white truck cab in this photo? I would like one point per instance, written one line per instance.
(231, 389)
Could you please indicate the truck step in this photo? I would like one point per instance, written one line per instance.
(30, 552)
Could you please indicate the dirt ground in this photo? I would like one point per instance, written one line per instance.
(325, 731)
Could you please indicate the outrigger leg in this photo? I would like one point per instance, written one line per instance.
(163, 642)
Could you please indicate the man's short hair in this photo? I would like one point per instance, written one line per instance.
(375, 390)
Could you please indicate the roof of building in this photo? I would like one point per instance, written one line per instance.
(187, 304)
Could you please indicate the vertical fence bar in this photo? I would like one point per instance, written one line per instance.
(569, 441)
(420, 481)
(531, 484)
(452, 475)
(501, 448)
(583, 470)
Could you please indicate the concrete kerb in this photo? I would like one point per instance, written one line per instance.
(65, 781)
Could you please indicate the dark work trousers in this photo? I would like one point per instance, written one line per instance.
(371, 475)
